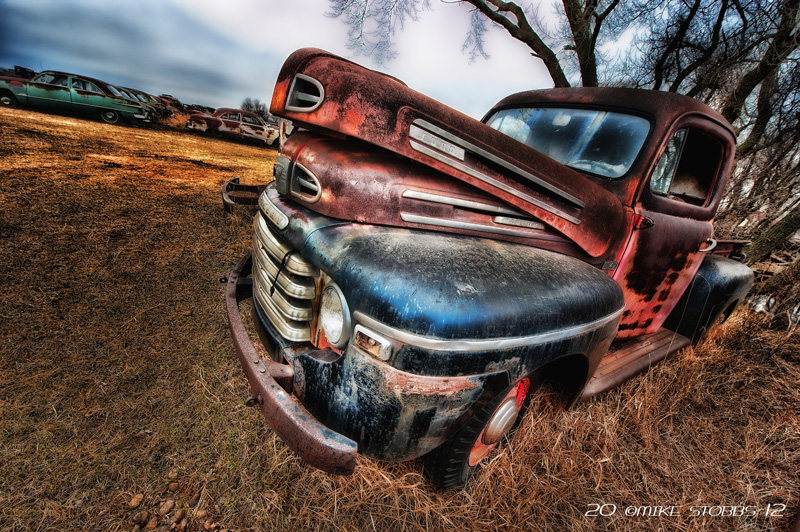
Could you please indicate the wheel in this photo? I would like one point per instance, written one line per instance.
(7, 100)
(109, 116)
(451, 464)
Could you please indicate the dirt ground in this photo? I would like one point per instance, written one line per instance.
(122, 402)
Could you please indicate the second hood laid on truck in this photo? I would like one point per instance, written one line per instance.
(325, 92)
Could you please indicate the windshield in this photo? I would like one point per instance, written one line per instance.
(599, 142)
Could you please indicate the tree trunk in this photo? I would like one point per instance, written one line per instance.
(783, 280)
(584, 44)
(784, 286)
(774, 237)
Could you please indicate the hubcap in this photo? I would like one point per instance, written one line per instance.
(500, 423)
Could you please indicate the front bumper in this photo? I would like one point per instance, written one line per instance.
(271, 383)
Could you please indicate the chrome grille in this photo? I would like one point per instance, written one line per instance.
(285, 293)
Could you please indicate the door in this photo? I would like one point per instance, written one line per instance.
(86, 96)
(231, 124)
(253, 128)
(49, 89)
(672, 224)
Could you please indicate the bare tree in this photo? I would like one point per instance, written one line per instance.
(373, 22)
(258, 107)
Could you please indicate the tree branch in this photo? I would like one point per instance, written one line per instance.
(783, 44)
(522, 31)
(673, 44)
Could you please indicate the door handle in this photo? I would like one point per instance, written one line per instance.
(711, 245)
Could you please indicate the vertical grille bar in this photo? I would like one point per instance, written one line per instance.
(290, 305)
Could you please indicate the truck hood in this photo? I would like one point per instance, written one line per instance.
(321, 91)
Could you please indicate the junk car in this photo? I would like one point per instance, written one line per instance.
(70, 92)
(235, 124)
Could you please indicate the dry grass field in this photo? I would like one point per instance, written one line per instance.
(122, 402)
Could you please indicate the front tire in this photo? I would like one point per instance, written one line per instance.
(7, 100)
(451, 464)
(109, 116)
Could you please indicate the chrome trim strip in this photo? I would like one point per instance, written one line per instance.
(467, 226)
(425, 137)
(436, 344)
(517, 222)
(493, 158)
(458, 202)
(492, 181)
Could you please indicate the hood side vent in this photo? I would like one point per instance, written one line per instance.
(305, 95)
(305, 185)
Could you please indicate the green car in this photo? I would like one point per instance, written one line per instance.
(69, 92)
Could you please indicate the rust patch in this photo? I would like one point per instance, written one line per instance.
(412, 385)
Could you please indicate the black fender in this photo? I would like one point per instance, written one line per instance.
(718, 287)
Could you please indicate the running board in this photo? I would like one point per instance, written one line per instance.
(628, 358)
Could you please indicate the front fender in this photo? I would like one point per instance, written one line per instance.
(455, 287)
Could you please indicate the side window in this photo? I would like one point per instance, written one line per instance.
(234, 117)
(61, 81)
(91, 87)
(687, 168)
(667, 164)
(43, 78)
(250, 120)
(51, 79)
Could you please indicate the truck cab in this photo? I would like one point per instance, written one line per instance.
(417, 273)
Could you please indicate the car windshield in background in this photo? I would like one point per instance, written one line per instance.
(599, 142)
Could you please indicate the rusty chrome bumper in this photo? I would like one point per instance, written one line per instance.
(271, 383)
(235, 193)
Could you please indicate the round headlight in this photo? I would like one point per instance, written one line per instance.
(334, 316)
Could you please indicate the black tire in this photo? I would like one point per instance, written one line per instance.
(7, 99)
(109, 116)
(448, 466)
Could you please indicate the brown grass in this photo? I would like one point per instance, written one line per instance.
(116, 372)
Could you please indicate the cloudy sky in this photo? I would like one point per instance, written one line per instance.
(216, 53)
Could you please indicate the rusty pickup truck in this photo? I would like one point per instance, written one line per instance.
(416, 274)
